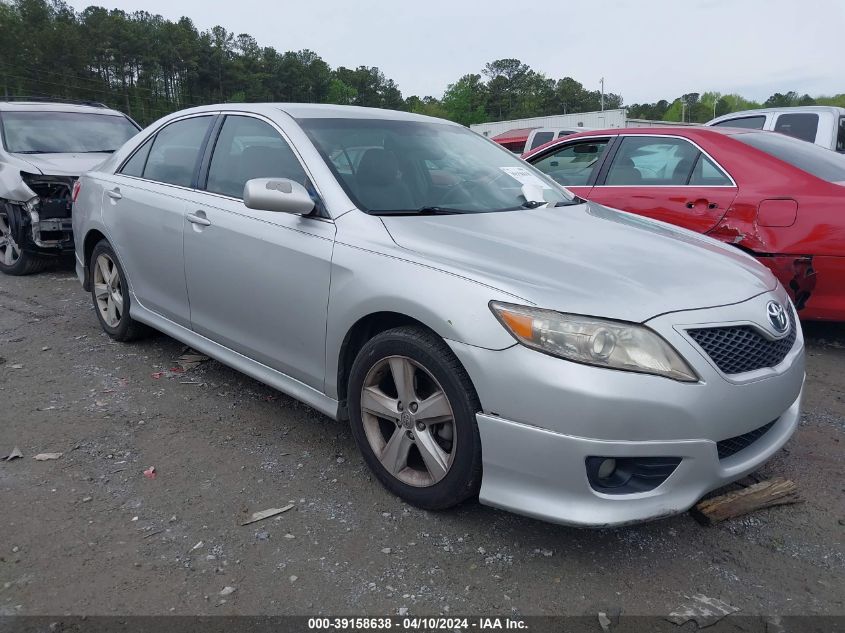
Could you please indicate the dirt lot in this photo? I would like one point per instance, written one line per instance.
(89, 534)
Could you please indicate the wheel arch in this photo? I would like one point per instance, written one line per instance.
(92, 238)
(363, 330)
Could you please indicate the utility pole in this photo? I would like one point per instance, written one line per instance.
(602, 94)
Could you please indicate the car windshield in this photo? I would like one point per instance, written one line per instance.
(406, 167)
(818, 161)
(46, 132)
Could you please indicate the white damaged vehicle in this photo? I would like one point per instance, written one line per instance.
(44, 147)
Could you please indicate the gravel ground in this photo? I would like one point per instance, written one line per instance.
(89, 534)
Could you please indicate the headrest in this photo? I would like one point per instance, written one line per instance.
(377, 168)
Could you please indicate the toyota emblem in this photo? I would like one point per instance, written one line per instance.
(777, 316)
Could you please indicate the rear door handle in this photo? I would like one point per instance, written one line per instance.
(114, 193)
(690, 204)
(199, 218)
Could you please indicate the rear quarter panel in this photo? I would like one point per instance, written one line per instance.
(87, 213)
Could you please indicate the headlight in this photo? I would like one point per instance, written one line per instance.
(611, 344)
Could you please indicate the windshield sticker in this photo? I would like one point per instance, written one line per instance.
(525, 177)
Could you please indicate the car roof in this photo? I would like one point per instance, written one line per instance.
(49, 106)
(796, 109)
(315, 111)
(686, 131)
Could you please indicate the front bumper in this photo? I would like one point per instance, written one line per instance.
(543, 416)
(540, 473)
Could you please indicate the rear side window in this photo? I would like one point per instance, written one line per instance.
(803, 125)
(811, 158)
(707, 174)
(135, 165)
(574, 164)
(749, 122)
(249, 148)
(540, 138)
(173, 157)
(840, 138)
(650, 161)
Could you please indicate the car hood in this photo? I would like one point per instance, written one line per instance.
(62, 164)
(586, 259)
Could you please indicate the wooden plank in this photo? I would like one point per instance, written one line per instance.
(773, 492)
(266, 514)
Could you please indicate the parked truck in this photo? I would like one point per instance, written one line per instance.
(822, 125)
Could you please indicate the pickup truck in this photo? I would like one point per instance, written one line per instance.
(822, 125)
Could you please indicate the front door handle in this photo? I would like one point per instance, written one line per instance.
(114, 193)
(199, 218)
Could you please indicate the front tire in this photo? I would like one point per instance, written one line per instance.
(13, 260)
(110, 294)
(412, 407)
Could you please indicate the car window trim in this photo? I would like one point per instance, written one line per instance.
(611, 143)
(621, 137)
(155, 133)
(209, 151)
(727, 122)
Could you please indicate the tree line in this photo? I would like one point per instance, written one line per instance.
(697, 107)
(148, 66)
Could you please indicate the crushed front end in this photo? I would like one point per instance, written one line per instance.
(43, 223)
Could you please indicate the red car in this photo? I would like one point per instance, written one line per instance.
(778, 198)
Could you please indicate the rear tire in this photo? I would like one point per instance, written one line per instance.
(13, 260)
(417, 433)
(110, 294)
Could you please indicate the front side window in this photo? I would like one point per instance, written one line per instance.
(249, 148)
(809, 157)
(747, 122)
(409, 166)
(45, 132)
(541, 138)
(175, 150)
(840, 137)
(803, 125)
(574, 164)
(645, 160)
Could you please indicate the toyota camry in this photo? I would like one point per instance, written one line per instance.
(485, 332)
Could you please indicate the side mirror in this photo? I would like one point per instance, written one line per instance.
(277, 194)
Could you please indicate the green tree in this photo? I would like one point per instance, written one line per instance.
(465, 99)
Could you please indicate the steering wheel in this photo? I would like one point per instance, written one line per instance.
(453, 194)
(468, 186)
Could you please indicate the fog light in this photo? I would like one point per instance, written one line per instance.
(606, 468)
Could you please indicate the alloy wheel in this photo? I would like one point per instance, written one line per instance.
(108, 290)
(10, 252)
(408, 421)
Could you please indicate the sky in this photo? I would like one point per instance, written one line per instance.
(645, 49)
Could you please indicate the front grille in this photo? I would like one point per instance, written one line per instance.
(733, 445)
(743, 348)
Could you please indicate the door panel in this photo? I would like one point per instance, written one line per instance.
(146, 222)
(147, 201)
(667, 179)
(259, 283)
(695, 208)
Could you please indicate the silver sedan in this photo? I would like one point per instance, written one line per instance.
(485, 332)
